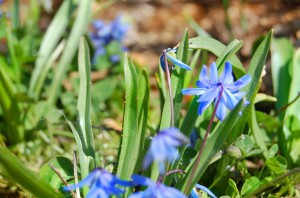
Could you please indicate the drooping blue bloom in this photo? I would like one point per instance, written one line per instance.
(104, 34)
(163, 148)
(102, 184)
(195, 195)
(154, 190)
(211, 86)
(171, 56)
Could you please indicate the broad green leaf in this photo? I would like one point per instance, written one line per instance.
(245, 143)
(12, 168)
(102, 90)
(65, 167)
(217, 48)
(266, 121)
(232, 184)
(53, 34)
(254, 152)
(250, 185)
(277, 164)
(130, 142)
(282, 58)
(272, 151)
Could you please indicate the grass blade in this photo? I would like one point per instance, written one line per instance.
(15, 170)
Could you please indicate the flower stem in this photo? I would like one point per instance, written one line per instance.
(203, 143)
(170, 88)
(161, 177)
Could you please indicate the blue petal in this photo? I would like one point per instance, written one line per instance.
(226, 76)
(97, 193)
(193, 194)
(203, 105)
(147, 159)
(178, 63)
(210, 94)
(123, 182)
(242, 82)
(193, 91)
(230, 100)
(85, 182)
(169, 192)
(203, 78)
(206, 190)
(162, 62)
(141, 180)
(221, 111)
(174, 137)
(213, 73)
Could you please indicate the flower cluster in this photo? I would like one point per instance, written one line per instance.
(211, 87)
(108, 34)
(163, 147)
(102, 184)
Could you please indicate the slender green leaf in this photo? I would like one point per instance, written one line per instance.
(228, 53)
(78, 30)
(143, 107)
(53, 34)
(217, 48)
(291, 125)
(10, 107)
(14, 169)
(282, 60)
(177, 80)
(129, 150)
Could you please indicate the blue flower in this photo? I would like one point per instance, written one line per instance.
(163, 148)
(210, 88)
(195, 195)
(171, 56)
(102, 184)
(154, 190)
(104, 34)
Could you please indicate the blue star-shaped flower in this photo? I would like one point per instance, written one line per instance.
(211, 86)
(154, 190)
(102, 184)
(171, 56)
(163, 148)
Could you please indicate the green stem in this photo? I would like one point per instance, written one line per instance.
(203, 144)
(170, 88)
